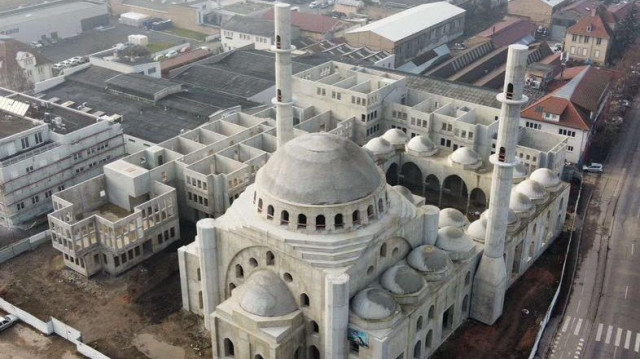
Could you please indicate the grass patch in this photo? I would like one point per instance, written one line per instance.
(187, 33)
(158, 46)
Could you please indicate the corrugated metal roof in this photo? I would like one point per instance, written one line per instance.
(406, 23)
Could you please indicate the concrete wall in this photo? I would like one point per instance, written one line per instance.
(536, 10)
(24, 245)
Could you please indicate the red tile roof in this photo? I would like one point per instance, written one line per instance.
(575, 100)
(311, 22)
(591, 25)
(183, 59)
(507, 32)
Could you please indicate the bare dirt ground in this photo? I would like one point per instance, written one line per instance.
(135, 315)
(513, 335)
(22, 341)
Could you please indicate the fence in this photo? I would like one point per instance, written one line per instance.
(53, 326)
(23, 245)
(545, 321)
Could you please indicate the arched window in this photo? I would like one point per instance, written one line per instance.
(383, 250)
(284, 218)
(416, 350)
(380, 206)
(228, 348)
(355, 217)
(370, 212)
(395, 251)
(287, 277)
(431, 312)
(279, 95)
(502, 154)
(253, 262)
(232, 286)
(465, 303)
(419, 323)
(509, 91)
(260, 205)
(320, 223)
(302, 221)
(298, 354)
(239, 271)
(467, 279)
(258, 356)
(314, 353)
(338, 221)
(427, 340)
(270, 258)
(270, 212)
(314, 327)
(370, 270)
(278, 42)
(304, 300)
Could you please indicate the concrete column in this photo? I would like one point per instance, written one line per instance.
(431, 219)
(283, 100)
(490, 282)
(336, 317)
(208, 247)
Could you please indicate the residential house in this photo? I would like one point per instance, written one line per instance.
(539, 11)
(21, 66)
(590, 39)
(572, 110)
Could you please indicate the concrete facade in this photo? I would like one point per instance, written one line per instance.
(538, 11)
(48, 148)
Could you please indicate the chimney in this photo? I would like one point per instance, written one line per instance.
(283, 100)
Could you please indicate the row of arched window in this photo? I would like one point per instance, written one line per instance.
(320, 223)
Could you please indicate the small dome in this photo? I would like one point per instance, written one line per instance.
(547, 178)
(265, 294)
(401, 279)
(421, 146)
(511, 216)
(298, 171)
(428, 259)
(519, 202)
(373, 304)
(455, 242)
(396, 137)
(379, 147)
(465, 156)
(533, 190)
(478, 229)
(404, 191)
(452, 217)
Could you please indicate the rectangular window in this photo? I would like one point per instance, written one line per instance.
(598, 41)
(584, 51)
(47, 194)
(35, 199)
(574, 38)
(596, 54)
(20, 206)
(573, 50)
(586, 39)
(38, 137)
(25, 142)
(570, 148)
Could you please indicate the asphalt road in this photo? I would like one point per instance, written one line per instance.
(602, 319)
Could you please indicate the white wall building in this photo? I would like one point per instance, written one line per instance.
(44, 148)
(240, 31)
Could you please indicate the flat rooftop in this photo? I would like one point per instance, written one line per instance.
(43, 11)
(10, 125)
(72, 119)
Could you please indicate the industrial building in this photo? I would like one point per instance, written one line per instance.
(64, 18)
(321, 258)
(411, 32)
(45, 147)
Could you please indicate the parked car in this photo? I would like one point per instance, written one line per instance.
(36, 44)
(172, 53)
(313, 5)
(324, 5)
(593, 168)
(7, 321)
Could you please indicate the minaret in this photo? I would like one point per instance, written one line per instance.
(490, 282)
(283, 100)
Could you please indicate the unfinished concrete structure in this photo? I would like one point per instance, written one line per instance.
(46, 147)
(321, 258)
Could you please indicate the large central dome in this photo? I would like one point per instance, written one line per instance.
(319, 169)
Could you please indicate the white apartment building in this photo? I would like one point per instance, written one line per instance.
(240, 31)
(45, 148)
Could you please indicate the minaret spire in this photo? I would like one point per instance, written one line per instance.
(283, 100)
(490, 282)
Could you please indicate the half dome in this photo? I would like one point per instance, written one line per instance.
(456, 243)
(452, 217)
(532, 189)
(430, 261)
(319, 169)
(401, 280)
(265, 294)
(379, 147)
(421, 146)
(547, 178)
(373, 304)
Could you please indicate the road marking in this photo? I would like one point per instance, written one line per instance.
(599, 334)
(632, 248)
(607, 340)
(637, 345)
(627, 340)
(626, 291)
(618, 335)
(575, 332)
(578, 307)
(565, 326)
